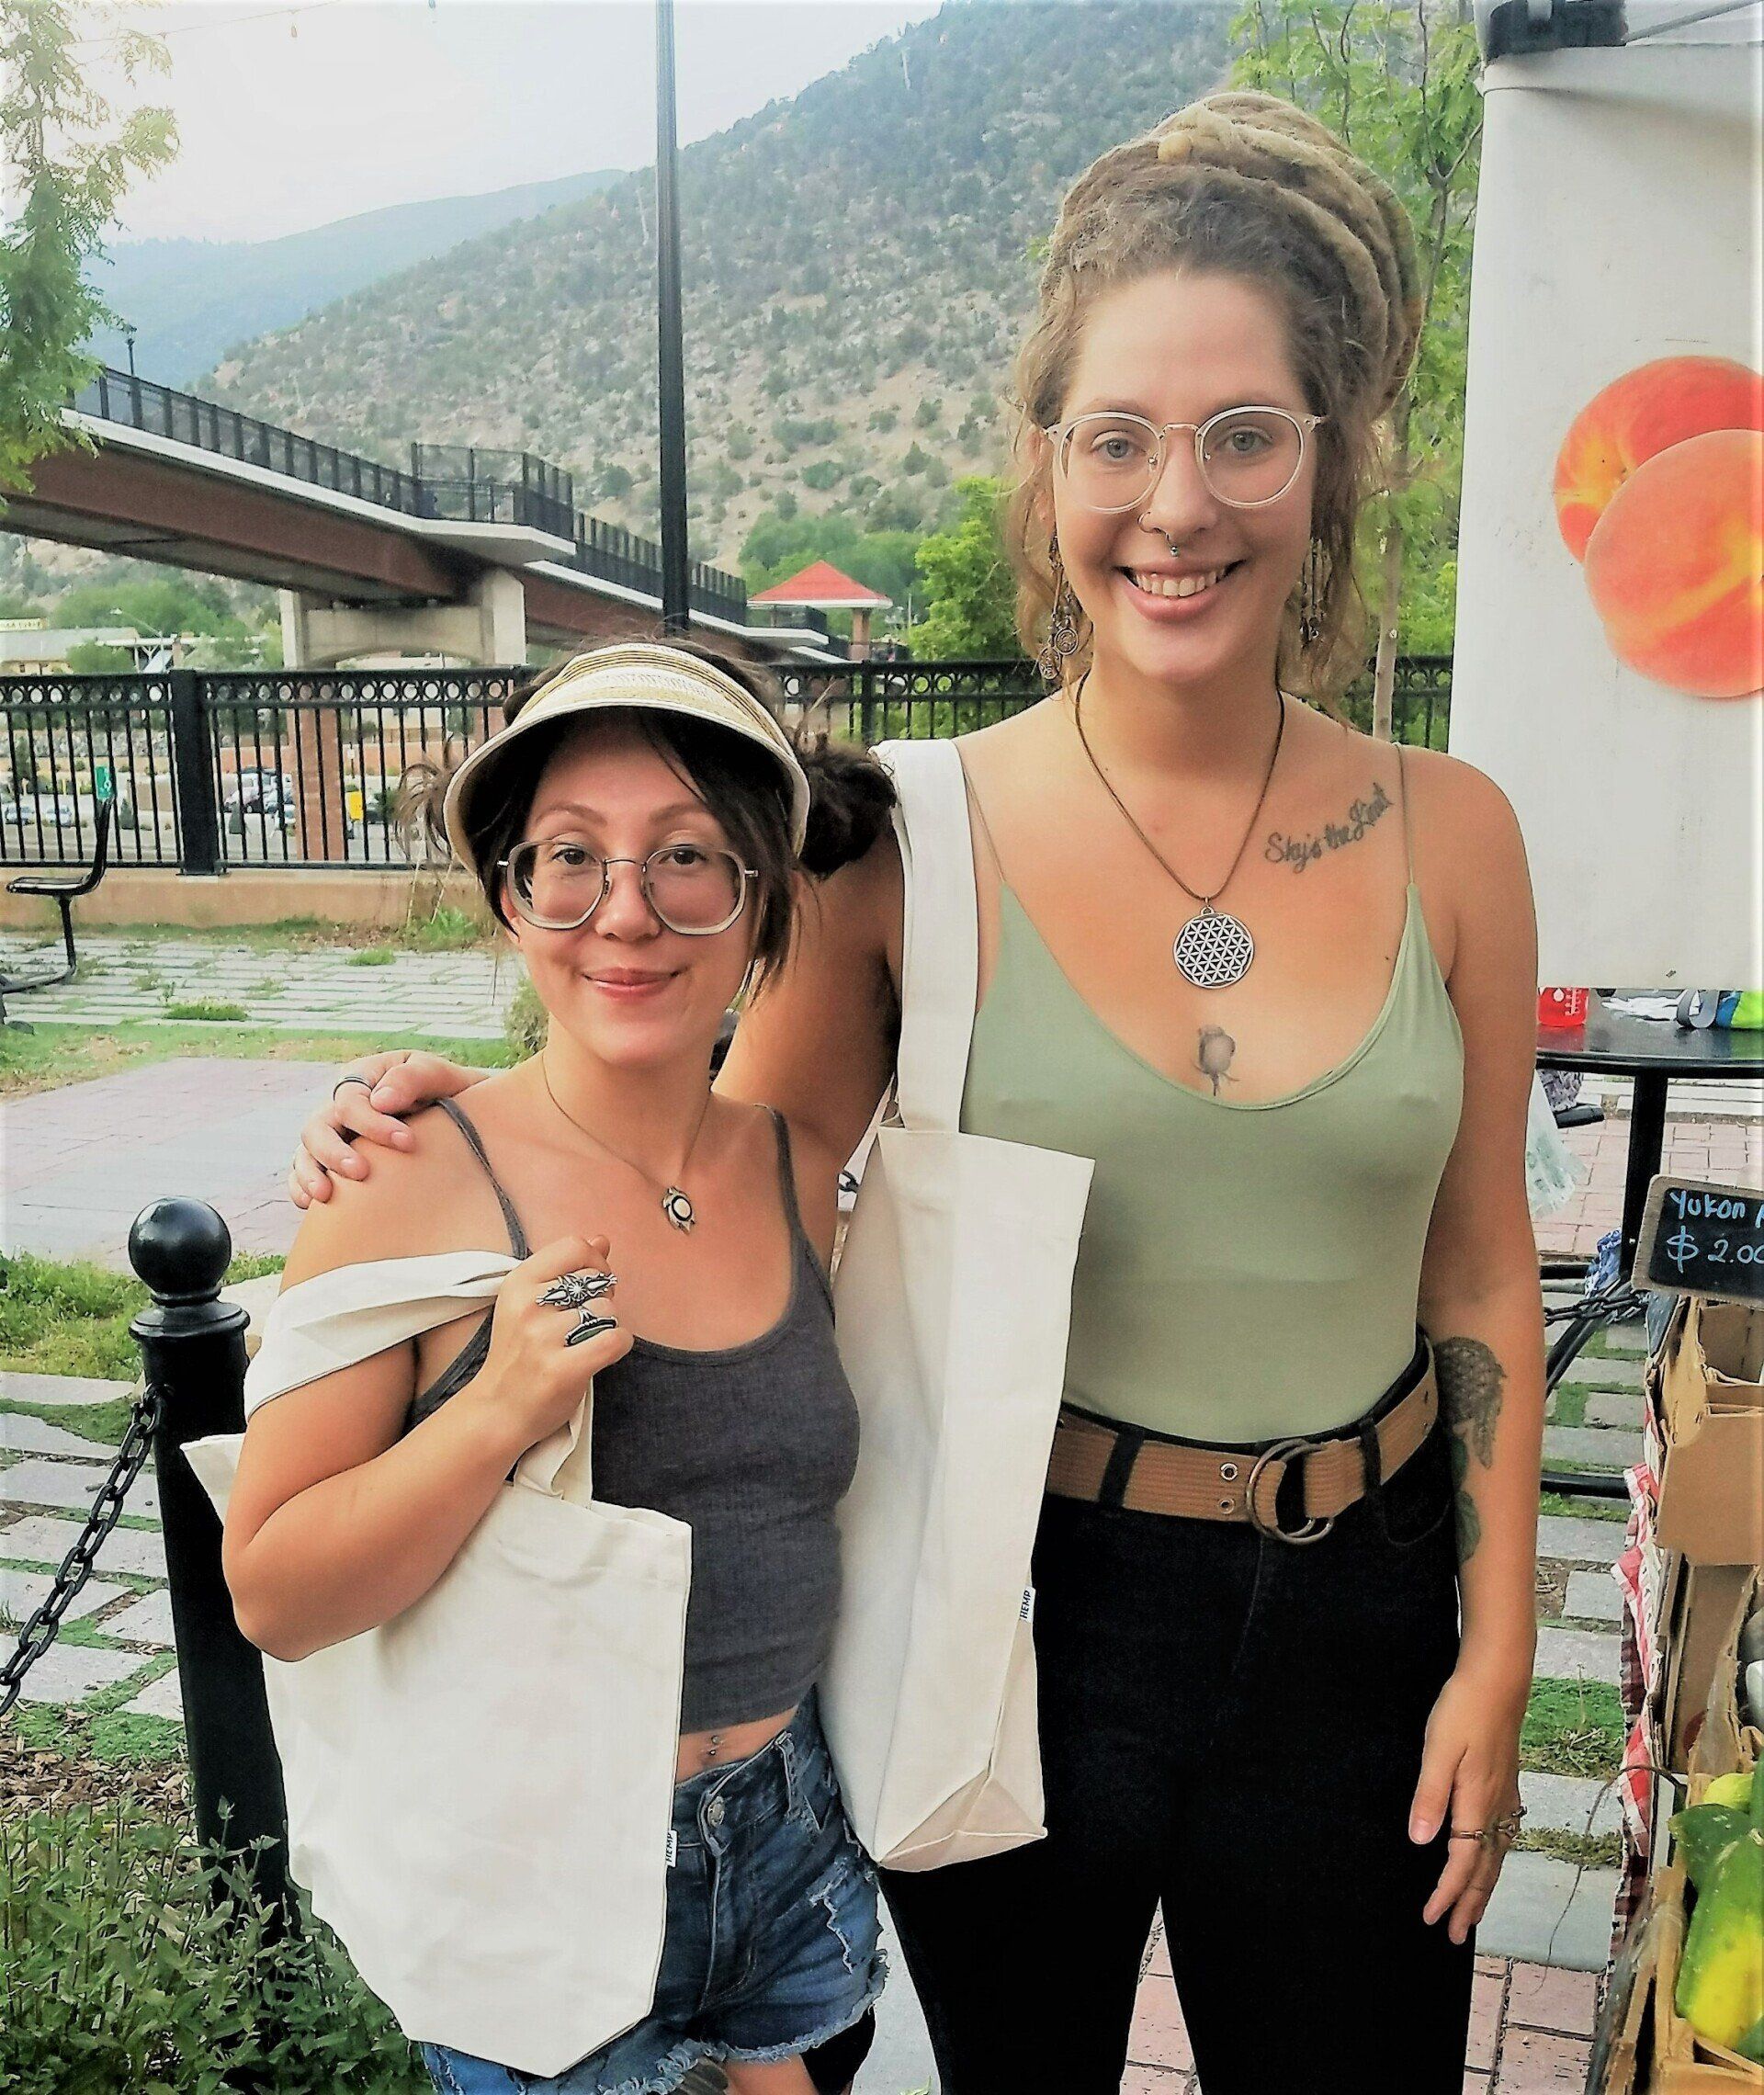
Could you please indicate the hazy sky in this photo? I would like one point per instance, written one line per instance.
(297, 113)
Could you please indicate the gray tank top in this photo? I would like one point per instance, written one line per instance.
(753, 1446)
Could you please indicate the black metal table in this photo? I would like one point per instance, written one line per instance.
(1653, 1053)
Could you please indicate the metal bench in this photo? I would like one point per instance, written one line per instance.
(63, 890)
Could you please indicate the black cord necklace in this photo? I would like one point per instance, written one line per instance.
(1213, 949)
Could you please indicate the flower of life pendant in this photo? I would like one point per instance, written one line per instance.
(1213, 950)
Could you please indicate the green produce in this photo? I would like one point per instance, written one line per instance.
(1735, 1790)
(1751, 2045)
(1704, 1834)
(1721, 1979)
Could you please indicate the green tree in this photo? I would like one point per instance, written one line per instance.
(1397, 84)
(973, 595)
(68, 160)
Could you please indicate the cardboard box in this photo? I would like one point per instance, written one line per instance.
(1707, 1392)
(1704, 1606)
(1683, 2063)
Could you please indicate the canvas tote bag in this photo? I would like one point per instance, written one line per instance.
(951, 1305)
(479, 1792)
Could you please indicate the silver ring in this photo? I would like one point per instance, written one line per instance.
(336, 1087)
(576, 1290)
(590, 1327)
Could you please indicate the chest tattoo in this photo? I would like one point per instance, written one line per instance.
(1298, 852)
(1214, 1056)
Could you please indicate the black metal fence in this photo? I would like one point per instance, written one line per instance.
(302, 768)
(458, 481)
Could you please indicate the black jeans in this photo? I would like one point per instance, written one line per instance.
(1231, 1725)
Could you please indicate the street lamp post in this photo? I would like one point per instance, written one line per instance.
(128, 337)
(671, 357)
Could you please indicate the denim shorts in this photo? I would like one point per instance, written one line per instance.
(772, 1944)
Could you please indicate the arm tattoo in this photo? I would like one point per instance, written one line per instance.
(1471, 1382)
(1298, 852)
(1214, 1056)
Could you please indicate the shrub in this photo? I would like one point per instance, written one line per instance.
(121, 1975)
(527, 1021)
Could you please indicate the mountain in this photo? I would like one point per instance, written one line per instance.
(857, 273)
(190, 300)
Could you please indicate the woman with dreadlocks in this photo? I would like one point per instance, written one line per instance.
(1277, 979)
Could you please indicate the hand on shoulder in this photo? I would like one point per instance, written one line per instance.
(410, 1204)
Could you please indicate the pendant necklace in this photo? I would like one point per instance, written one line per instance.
(675, 1204)
(1213, 949)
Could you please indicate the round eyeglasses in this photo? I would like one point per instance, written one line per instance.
(557, 885)
(1247, 456)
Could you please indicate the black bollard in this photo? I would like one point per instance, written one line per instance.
(193, 1346)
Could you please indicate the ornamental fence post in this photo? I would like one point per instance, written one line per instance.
(198, 809)
(193, 1350)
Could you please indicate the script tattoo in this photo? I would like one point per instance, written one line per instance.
(1214, 1056)
(1298, 852)
(1471, 1383)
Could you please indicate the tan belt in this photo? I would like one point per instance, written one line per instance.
(1121, 1466)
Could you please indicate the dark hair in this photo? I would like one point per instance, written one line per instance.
(851, 796)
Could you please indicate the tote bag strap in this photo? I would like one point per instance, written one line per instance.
(941, 962)
(336, 1319)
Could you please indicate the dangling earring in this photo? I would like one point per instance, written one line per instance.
(1062, 622)
(1311, 599)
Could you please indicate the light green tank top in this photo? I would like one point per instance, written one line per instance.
(1246, 1271)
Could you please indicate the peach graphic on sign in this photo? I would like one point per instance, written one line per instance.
(1639, 414)
(1659, 490)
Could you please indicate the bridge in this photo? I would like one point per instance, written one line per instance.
(474, 554)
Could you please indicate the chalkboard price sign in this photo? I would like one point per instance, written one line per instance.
(1702, 1239)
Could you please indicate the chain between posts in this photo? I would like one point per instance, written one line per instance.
(44, 1625)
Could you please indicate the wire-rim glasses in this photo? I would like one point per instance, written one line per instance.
(1247, 457)
(557, 884)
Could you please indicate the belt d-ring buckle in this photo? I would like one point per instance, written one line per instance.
(1314, 1529)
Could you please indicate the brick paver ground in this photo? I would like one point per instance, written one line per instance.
(1530, 2027)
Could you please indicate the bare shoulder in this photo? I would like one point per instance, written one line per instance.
(412, 1201)
(1458, 808)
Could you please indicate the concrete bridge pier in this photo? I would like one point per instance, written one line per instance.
(488, 629)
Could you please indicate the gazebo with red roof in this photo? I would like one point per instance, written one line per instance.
(821, 587)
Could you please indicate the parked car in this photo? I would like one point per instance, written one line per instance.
(47, 810)
(254, 792)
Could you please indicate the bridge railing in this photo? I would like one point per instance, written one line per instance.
(465, 482)
(161, 411)
(302, 768)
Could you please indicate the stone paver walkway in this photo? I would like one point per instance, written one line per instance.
(82, 1161)
(461, 995)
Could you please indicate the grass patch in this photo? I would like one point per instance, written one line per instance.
(208, 1011)
(372, 956)
(1582, 1850)
(105, 1423)
(1567, 1408)
(67, 1052)
(69, 1317)
(126, 1739)
(1572, 1728)
(1582, 1509)
(443, 929)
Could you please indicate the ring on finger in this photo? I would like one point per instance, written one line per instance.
(576, 1290)
(590, 1327)
(367, 1081)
